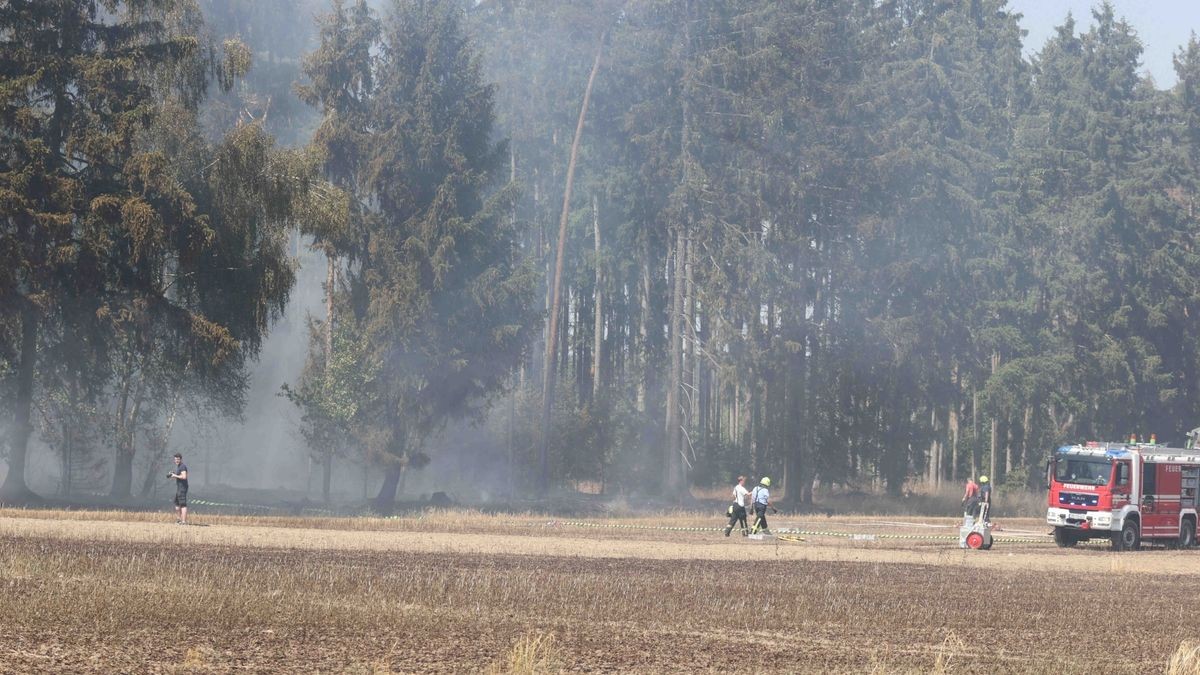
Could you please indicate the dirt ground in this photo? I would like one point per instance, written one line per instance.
(462, 592)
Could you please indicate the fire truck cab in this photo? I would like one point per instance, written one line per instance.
(1127, 493)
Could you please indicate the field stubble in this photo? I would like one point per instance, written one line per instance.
(461, 592)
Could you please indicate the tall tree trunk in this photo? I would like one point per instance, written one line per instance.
(552, 333)
(974, 431)
(598, 313)
(687, 336)
(70, 430)
(1008, 445)
(330, 271)
(68, 450)
(122, 485)
(994, 439)
(578, 351)
(159, 450)
(511, 443)
(643, 375)
(122, 474)
(14, 487)
(736, 419)
(1025, 424)
(671, 451)
(386, 499)
(955, 412)
(954, 442)
(931, 454)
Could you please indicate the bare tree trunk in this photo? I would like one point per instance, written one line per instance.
(519, 372)
(385, 501)
(1008, 446)
(330, 270)
(160, 447)
(955, 411)
(126, 427)
(68, 449)
(644, 331)
(995, 439)
(552, 333)
(954, 442)
(510, 438)
(931, 454)
(72, 433)
(598, 322)
(14, 487)
(687, 385)
(1025, 423)
(691, 363)
(122, 485)
(671, 455)
(974, 431)
(736, 421)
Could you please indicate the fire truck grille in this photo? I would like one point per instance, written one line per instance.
(1076, 499)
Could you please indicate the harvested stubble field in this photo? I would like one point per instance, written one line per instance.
(465, 592)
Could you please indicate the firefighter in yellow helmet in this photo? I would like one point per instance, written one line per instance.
(761, 498)
(985, 498)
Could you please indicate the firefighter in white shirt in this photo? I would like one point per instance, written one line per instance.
(737, 510)
(761, 496)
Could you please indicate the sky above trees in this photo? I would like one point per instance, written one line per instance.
(1162, 25)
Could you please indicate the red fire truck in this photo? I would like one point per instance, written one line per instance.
(1125, 492)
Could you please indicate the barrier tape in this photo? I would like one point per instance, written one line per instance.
(259, 507)
(854, 536)
(203, 502)
(285, 508)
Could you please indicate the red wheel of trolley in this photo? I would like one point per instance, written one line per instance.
(975, 540)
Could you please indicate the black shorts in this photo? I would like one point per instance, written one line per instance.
(181, 498)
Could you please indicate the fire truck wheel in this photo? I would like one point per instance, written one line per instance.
(1129, 538)
(1064, 537)
(1187, 533)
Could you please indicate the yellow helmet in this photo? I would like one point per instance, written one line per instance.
(983, 479)
(766, 481)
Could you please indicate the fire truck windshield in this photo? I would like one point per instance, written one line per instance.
(1083, 470)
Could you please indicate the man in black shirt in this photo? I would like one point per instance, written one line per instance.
(985, 497)
(180, 474)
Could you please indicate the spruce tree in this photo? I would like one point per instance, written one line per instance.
(165, 254)
(441, 301)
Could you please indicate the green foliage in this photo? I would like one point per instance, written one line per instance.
(146, 261)
(434, 287)
(847, 242)
(906, 232)
(333, 394)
